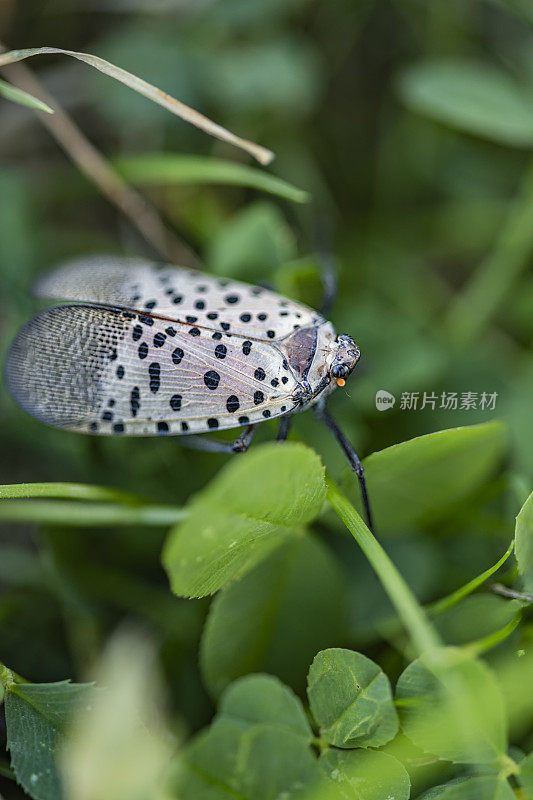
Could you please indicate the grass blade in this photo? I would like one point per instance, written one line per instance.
(391, 627)
(71, 491)
(88, 515)
(169, 169)
(481, 646)
(422, 634)
(450, 600)
(23, 98)
(141, 86)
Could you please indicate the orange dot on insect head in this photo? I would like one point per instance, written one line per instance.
(340, 381)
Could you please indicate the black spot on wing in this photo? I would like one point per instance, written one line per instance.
(154, 371)
(232, 404)
(143, 350)
(211, 379)
(135, 401)
(177, 355)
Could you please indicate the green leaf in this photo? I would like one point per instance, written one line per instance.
(366, 775)
(261, 762)
(166, 169)
(252, 244)
(421, 479)
(525, 774)
(475, 98)
(23, 98)
(265, 699)
(255, 623)
(455, 711)
(251, 507)
(524, 543)
(351, 700)
(258, 746)
(36, 715)
(483, 787)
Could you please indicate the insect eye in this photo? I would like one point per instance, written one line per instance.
(339, 370)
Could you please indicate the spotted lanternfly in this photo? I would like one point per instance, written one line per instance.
(150, 349)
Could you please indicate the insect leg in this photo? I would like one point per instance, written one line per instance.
(351, 455)
(243, 442)
(239, 445)
(284, 428)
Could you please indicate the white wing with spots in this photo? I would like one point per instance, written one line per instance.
(105, 370)
(179, 294)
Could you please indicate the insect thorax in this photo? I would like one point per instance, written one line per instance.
(310, 352)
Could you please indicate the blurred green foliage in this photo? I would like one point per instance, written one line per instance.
(410, 124)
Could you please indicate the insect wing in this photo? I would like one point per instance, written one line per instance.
(109, 370)
(179, 294)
